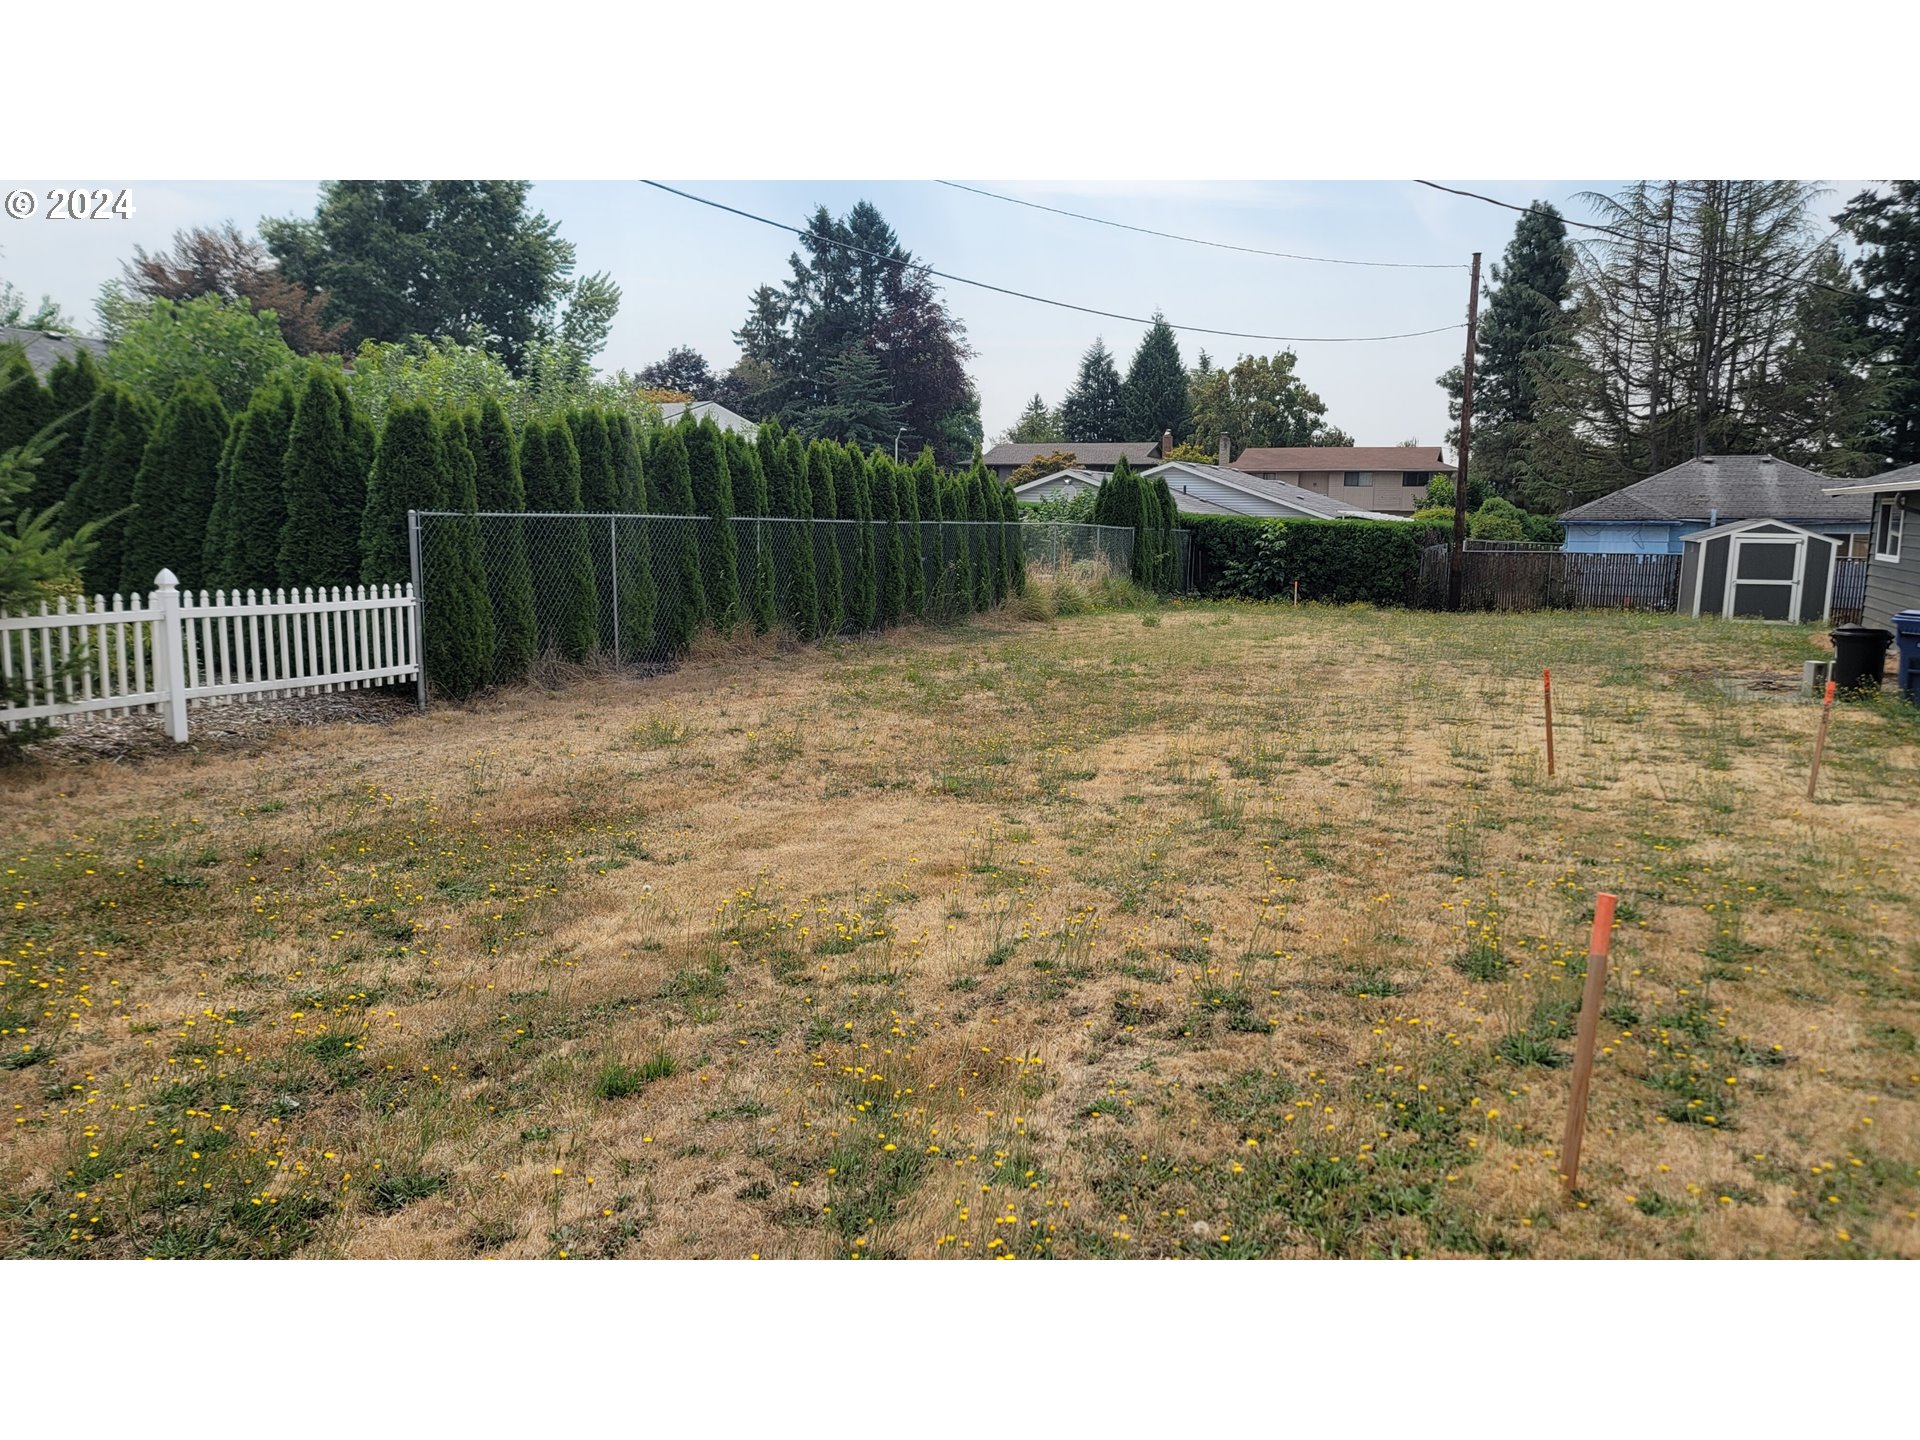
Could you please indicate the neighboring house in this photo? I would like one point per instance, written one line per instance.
(46, 349)
(1003, 460)
(1061, 485)
(670, 411)
(1654, 516)
(1222, 490)
(1893, 559)
(1387, 479)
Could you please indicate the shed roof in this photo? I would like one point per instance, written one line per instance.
(1723, 487)
(1278, 460)
(1737, 526)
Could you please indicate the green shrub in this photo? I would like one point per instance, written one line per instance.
(1335, 561)
(104, 491)
(852, 488)
(797, 597)
(250, 508)
(72, 386)
(890, 539)
(633, 574)
(326, 485)
(826, 538)
(498, 487)
(173, 489)
(712, 486)
(682, 606)
(565, 598)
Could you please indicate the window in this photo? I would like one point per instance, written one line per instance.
(1886, 529)
(1415, 479)
(1359, 477)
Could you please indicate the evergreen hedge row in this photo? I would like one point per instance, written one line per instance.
(1336, 561)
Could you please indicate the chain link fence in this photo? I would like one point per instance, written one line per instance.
(636, 589)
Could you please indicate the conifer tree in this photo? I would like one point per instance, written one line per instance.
(920, 508)
(1155, 398)
(565, 604)
(326, 487)
(593, 438)
(104, 494)
(413, 471)
(72, 386)
(25, 405)
(459, 431)
(712, 487)
(856, 508)
(243, 538)
(683, 598)
(889, 539)
(633, 573)
(797, 598)
(750, 498)
(1015, 546)
(173, 489)
(99, 426)
(826, 507)
(498, 488)
(986, 559)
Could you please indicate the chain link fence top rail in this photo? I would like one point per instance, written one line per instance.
(635, 589)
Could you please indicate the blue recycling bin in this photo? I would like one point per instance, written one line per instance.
(1906, 634)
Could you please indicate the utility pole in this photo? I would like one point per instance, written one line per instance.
(1456, 560)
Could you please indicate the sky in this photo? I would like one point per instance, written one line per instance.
(686, 271)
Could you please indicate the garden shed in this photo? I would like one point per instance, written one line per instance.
(1758, 570)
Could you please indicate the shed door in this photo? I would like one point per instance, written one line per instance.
(1764, 574)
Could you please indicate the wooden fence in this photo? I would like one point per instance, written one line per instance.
(80, 657)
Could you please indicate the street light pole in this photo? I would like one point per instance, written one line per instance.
(896, 443)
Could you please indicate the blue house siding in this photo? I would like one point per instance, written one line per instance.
(1655, 537)
(1616, 537)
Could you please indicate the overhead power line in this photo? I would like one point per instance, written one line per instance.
(1195, 240)
(1675, 249)
(1058, 304)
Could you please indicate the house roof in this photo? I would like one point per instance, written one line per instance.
(1073, 474)
(1723, 488)
(709, 410)
(1343, 457)
(1907, 479)
(1092, 453)
(46, 349)
(1280, 492)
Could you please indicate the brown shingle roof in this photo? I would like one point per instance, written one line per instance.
(1281, 460)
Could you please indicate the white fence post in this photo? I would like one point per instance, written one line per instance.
(169, 658)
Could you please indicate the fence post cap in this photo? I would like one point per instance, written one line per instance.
(166, 580)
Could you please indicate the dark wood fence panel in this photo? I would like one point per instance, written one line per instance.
(1552, 580)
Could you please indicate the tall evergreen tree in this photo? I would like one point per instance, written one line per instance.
(923, 510)
(676, 570)
(565, 602)
(1886, 223)
(1169, 521)
(750, 498)
(1016, 554)
(633, 573)
(459, 431)
(1154, 397)
(243, 542)
(498, 488)
(889, 538)
(1037, 425)
(826, 506)
(856, 509)
(411, 471)
(326, 487)
(1093, 410)
(173, 489)
(93, 442)
(593, 437)
(72, 385)
(986, 563)
(25, 405)
(797, 599)
(105, 493)
(719, 547)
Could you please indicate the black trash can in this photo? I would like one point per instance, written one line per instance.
(1859, 656)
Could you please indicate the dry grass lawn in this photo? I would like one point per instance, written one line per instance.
(1208, 931)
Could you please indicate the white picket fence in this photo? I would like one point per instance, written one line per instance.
(172, 649)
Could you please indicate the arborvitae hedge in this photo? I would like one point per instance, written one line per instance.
(826, 538)
(889, 539)
(173, 490)
(676, 560)
(414, 470)
(593, 439)
(105, 491)
(326, 486)
(72, 386)
(750, 498)
(914, 537)
(565, 582)
(498, 487)
(985, 564)
(1016, 554)
(243, 541)
(25, 405)
(798, 600)
(712, 486)
(633, 571)
(856, 504)
(411, 471)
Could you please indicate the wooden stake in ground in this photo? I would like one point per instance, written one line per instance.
(1820, 740)
(1546, 689)
(1597, 948)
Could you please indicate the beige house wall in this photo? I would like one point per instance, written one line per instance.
(1390, 497)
